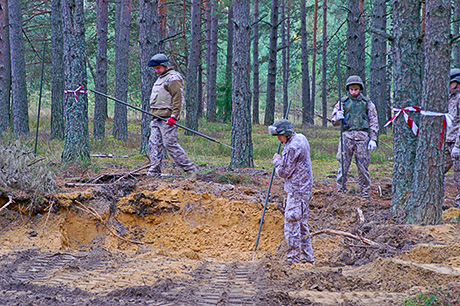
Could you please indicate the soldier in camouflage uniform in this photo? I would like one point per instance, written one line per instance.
(452, 148)
(166, 101)
(360, 131)
(294, 166)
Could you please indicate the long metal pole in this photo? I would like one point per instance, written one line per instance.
(40, 98)
(158, 117)
(341, 121)
(268, 191)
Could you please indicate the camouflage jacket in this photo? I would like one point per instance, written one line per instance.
(373, 132)
(452, 132)
(294, 166)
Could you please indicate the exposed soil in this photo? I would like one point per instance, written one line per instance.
(176, 241)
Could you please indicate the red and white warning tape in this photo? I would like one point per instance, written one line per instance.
(78, 90)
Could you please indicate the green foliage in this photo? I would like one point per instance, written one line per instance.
(435, 298)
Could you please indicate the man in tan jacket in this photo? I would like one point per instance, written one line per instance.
(166, 101)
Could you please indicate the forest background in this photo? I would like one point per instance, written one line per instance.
(240, 60)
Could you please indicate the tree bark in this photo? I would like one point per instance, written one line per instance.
(76, 139)
(149, 45)
(424, 206)
(313, 60)
(324, 72)
(285, 33)
(407, 75)
(18, 71)
(123, 20)
(191, 119)
(271, 77)
(100, 81)
(255, 66)
(356, 52)
(308, 109)
(378, 71)
(456, 26)
(211, 81)
(227, 109)
(5, 67)
(242, 152)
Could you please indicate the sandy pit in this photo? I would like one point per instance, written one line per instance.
(175, 241)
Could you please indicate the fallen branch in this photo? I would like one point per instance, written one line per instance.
(133, 172)
(345, 234)
(97, 216)
(7, 204)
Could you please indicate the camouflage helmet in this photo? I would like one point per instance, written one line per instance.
(281, 127)
(354, 80)
(455, 75)
(159, 59)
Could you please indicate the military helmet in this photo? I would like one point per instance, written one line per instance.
(159, 59)
(354, 80)
(455, 75)
(281, 127)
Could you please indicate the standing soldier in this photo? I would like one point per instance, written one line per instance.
(294, 166)
(360, 130)
(166, 101)
(452, 150)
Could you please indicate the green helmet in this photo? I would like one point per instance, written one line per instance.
(455, 75)
(281, 127)
(159, 59)
(354, 80)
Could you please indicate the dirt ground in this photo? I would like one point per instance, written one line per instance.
(177, 241)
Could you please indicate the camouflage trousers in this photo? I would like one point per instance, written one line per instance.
(163, 135)
(454, 163)
(296, 228)
(363, 160)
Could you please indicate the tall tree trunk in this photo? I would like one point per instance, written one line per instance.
(227, 109)
(324, 72)
(424, 206)
(57, 77)
(76, 139)
(123, 20)
(285, 33)
(307, 108)
(100, 81)
(255, 66)
(407, 75)
(313, 59)
(5, 67)
(212, 64)
(456, 26)
(149, 45)
(378, 72)
(18, 71)
(192, 68)
(356, 52)
(242, 153)
(162, 8)
(271, 77)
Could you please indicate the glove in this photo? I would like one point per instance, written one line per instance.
(171, 121)
(455, 153)
(339, 115)
(373, 145)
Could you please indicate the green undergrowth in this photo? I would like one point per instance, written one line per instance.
(125, 155)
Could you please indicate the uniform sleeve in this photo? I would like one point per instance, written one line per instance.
(286, 165)
(175, 89)
(373, 121)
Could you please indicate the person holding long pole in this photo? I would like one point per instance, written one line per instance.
(294, 166)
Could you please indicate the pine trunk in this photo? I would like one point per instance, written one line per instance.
(324, 72)
(286, 56)
(242, 153)
(271, 77)
(227, 109)
(424, 206)
(100, 81)
(76, 139)
(378, 72)
(5, 67)
(313, 59)
(123, 20)
(148, 45)
(456, 26)
(211, 81)
(255, 66)
(191, 119)
(407, 68)
(356, 53)
(307, 107)
(18, 71)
